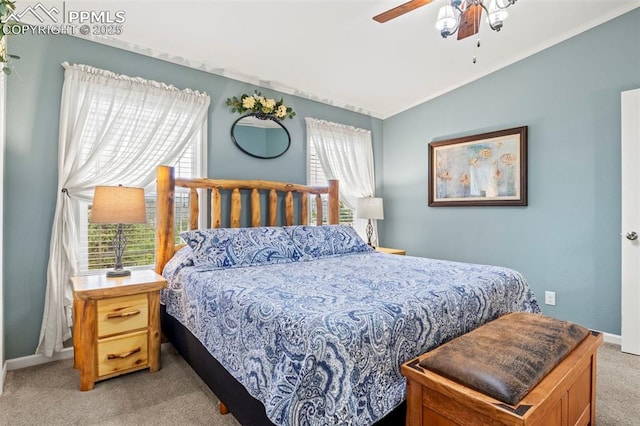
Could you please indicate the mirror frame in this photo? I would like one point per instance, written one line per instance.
(261, 116)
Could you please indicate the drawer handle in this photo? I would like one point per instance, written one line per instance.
(124, 354)
(123, 314)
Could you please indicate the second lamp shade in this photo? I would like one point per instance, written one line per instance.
(369, 208)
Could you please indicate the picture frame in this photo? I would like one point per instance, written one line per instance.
(488, 169)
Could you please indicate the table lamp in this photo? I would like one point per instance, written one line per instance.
(121, 205)
(369, 208)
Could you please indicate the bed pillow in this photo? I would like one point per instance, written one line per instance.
(327, 240)
(181, 259)
(234, 247)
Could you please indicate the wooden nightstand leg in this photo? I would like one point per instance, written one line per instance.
(77, 320)
(154, 331)
(86, 381)
(84, 353)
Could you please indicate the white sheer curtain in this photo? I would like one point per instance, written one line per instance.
(142, 124)
(346, 154)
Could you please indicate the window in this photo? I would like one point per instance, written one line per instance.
(114, 129)
(317, 178)
(97, 252)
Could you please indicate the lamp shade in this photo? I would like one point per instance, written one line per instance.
(118, 204)
(446, 18)
(369, 208)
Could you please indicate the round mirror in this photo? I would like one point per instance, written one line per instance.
(260, 135)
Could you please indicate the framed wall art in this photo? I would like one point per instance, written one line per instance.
(488, 169)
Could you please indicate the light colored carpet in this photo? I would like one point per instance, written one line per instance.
(618, 387)
(48, 395)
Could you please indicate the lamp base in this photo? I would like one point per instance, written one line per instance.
(119, 243)
(116, 273)
(369, 233)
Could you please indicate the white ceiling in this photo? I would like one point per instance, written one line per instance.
(333, 52)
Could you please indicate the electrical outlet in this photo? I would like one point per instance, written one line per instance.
(550, 298)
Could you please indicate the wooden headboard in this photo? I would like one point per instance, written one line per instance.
(165, 214)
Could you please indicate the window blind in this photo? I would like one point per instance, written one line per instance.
(318, 178)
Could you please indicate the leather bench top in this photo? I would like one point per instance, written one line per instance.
(507, 357)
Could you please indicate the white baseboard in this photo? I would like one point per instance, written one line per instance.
(37, 359)
(3, 374)
(613, 339)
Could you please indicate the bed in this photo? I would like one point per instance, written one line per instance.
(307, 325)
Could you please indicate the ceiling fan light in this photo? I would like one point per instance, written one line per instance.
(447, 19)
(496, 15)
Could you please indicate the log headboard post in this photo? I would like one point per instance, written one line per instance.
(165, 223)
(165, 206)
(334, 203)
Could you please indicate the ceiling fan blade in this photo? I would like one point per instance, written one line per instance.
(470, 21)
(400, 10)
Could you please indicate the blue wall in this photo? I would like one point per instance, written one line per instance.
(32, 145)
(568, 239)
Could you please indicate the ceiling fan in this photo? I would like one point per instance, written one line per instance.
(462, 16)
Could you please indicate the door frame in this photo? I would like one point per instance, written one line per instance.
(630, 251)
(3, 113)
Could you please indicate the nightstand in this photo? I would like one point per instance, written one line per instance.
(391, 251)
(116, 325)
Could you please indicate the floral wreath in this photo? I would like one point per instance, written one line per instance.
(261, 105)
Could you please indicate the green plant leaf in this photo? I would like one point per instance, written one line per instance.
(6, 70)
(14, 56)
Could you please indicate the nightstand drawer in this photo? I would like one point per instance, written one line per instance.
(121, 353)
(122, 314)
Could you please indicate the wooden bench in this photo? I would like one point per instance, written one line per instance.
(564, 396)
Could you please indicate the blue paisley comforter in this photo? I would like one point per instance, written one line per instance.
(320, 342)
